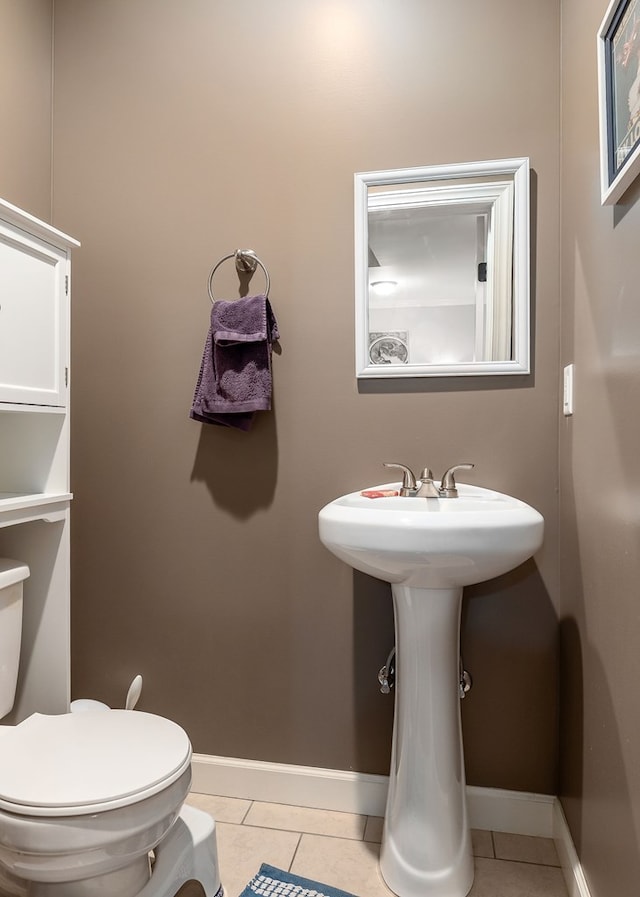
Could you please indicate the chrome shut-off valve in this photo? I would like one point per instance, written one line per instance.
(465, 681)
(387, 673)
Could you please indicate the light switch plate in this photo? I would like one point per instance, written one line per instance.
(567, 394)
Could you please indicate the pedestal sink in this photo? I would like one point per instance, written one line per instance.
(428, 549)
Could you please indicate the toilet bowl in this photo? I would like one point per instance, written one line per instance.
(91, 804)
(85, 797)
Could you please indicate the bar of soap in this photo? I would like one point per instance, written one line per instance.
(379, 493)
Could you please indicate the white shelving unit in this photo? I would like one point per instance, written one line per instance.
(35, 286)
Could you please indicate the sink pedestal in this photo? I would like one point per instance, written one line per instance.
(429, 549)
(426, 846)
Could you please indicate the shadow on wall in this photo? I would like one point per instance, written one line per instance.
(373, 638)
(239, 469)
(510, 645)
(572, 729)
(610, 766)
(509, 638)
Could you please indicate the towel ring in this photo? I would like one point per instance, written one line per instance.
(246, 262)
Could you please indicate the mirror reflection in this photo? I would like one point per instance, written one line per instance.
(442, 270)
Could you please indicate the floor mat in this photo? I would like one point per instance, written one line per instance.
(273, 882)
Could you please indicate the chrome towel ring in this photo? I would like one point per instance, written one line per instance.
(246, 262)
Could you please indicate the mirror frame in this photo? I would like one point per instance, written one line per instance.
(518, 170)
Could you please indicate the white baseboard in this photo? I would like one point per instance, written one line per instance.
(518, 812)
(280, 783)
(493, 809)
(355, 792)
(573, 872)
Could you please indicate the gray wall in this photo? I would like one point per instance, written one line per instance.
(196, 558)
(600, 477)
(182, 131)
(25, 104)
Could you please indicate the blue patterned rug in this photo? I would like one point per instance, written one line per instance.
(272, 882)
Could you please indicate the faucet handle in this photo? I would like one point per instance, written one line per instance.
(409, 485)
(448, 484)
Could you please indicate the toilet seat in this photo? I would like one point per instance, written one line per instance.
(79, 763)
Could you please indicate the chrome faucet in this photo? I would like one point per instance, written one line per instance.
(425, 487)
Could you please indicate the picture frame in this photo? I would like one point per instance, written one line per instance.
(499, 188)
(619, 98)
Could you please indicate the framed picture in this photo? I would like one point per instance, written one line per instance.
(619, 98)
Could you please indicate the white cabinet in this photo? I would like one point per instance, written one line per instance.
(34, 320)
(35, 276)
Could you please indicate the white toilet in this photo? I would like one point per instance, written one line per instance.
(91, 804)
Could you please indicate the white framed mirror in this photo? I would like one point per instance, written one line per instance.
(442, 270)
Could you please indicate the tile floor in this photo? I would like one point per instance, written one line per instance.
(341, 849)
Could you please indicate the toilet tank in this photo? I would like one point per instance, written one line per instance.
(12, 576)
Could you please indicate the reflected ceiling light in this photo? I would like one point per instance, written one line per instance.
(384, 287)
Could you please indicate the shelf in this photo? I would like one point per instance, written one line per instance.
(31, 409)
(42, 543)
(35, 495)
(17, 507)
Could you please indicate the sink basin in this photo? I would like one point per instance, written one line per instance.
(428, 549)
(432, 542)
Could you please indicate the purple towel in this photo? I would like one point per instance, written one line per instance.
(235, 374)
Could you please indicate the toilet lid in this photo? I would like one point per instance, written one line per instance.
(76, 763)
